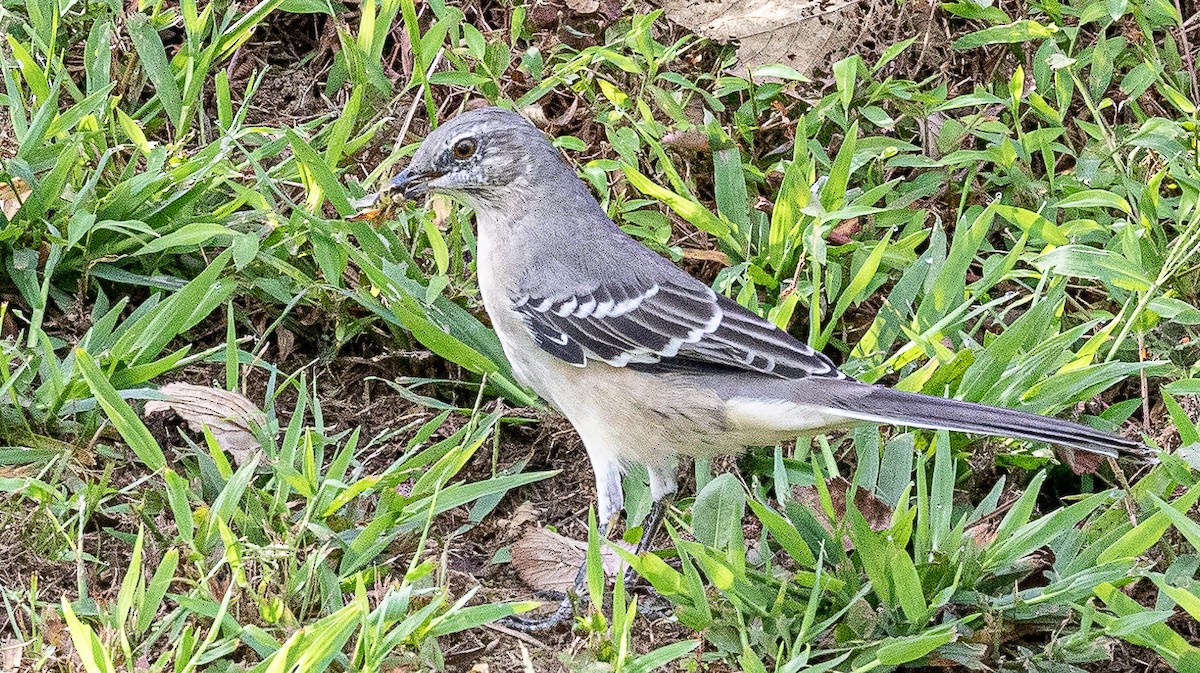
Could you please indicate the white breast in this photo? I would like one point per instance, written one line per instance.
(494, 282)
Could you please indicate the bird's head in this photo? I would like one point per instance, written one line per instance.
(482, 157)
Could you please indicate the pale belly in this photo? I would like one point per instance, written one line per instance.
(638, 417)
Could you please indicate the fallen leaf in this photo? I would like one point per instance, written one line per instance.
(707, 256)
(8, 328)
(799, 34)
(548, 561)
(877, 513)
(566, 117)
(687, 140)
(372, 215)
(983, 532)
(1081, 462)
(583, 6)
(536, 115)
(931, 131)
(10, 655)
(844, 230)
(13, 195)
(285, 343)
(228, 415)
(524, 514)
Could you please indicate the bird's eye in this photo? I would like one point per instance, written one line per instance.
(464, 149)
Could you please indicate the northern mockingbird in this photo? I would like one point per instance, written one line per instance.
(648, 363)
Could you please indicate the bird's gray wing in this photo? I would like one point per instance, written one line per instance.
(664, 325)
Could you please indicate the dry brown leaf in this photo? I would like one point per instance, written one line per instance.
(12, 196)
(1081, 462)
(566, 117)
(583, 6)
(10, 655)
(931, 131)
(372, 215)
(536, 115)
(707, 256)
(842, 233)
(687, 140)
(877, 513)
(524, 514)
(801, 34)
(8, 328)
(54, 630)
(548, 561)
(285, 343)
(983, 532)
(228, 415)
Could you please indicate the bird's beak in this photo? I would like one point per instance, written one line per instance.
(410, 184)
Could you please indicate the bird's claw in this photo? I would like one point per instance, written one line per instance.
(530, 624)
(653, 606)
(534, 624)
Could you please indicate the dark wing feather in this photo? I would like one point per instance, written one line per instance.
(665, 327)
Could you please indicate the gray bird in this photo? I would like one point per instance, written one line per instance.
(648, 363)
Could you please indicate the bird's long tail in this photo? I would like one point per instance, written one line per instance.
(885, 405)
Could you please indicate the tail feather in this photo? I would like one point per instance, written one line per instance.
(885, 405)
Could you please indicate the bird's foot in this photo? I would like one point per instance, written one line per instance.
(653, 606)
(567, 601)
(536, 624)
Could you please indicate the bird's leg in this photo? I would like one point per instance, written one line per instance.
(611, 498)
(652, 606)
(663, 484)
(650, 529)
(653, 524)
